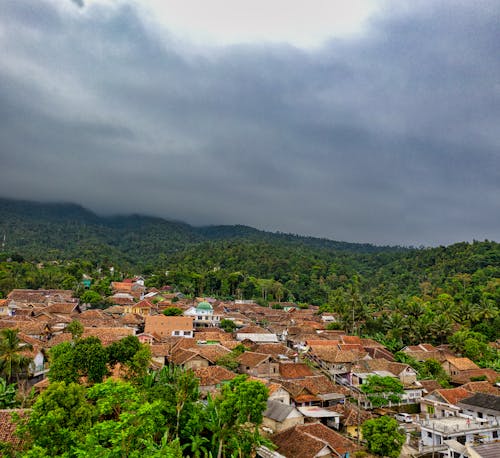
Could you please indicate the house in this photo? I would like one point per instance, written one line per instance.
(163, 326)
(278, 393)
(314, 391)
(256, 334)
(290, 371)
(203, 315)
(122, 299)
(352, 417)
(143, 308)
(455, 366)
(160, 353)
(313, 440)
(257, 364)
(470, 375)
(189, 359)
(278, 417)
(213, 377)
(404, 372)
(443, 402)
(482, 387)
(6, 309)
(424, 352)
(434, 432)
(482, 407)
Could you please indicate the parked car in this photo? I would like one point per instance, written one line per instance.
(404, 417)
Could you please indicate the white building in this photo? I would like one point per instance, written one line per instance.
(203, 315)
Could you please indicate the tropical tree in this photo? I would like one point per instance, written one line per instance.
(75, 328)
(235, 415)
(382, 390)
(7, 394)
(383, 436)
(12, 360)
(59, 420)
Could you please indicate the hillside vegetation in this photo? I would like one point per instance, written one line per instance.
(399, 295)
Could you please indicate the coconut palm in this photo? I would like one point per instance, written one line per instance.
(12, 360)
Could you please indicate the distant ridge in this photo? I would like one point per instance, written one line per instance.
(66, 230)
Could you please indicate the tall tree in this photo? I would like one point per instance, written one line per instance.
(383, 436)
(12, 360)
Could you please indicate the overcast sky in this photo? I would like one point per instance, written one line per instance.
(376, 121)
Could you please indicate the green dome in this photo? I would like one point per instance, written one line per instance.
(204, 306)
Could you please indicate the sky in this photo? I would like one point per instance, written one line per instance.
(362, 121)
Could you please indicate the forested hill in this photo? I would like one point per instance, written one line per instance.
(64, 231)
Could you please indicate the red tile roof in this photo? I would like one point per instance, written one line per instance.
(295, 370)
(453, 395)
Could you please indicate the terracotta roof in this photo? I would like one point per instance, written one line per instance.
(121, 286)
(183, 356)
(306, 441)
(131, 319)
(295, 370)
(59, 338)
(352, 415)
(253, 330)
(332, 355)
(212, 352)
(482, 387)
(252, 359)
(160, 349)
(163, 326)
(213, 375)
(370, 343)
(8, 427)
(355, 340)
(462, 364)
(108, 335)
(430, 385)
(319, 384)
(216, 334)
(273, 349)
(452, 395)
(63, 308)
(323, 342)
(466, 375)
(383, 365)
(293, 443)
(377, 353)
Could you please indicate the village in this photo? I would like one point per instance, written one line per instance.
(316, 376)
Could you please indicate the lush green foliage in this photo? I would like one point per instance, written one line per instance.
(397, 296)
(381, 390)
(383, 436)
(12, 361)
(7, 394)
(69, 361)
(160, 417)
(172, 311)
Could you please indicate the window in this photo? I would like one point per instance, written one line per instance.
(480, 415)
(176, 333)
(495, 434)
(429, 434)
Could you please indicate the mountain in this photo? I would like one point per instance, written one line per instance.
(63, 230)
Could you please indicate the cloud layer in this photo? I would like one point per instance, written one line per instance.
(389, 137)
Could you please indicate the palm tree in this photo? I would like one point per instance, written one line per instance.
(442, 327)
(12, 360)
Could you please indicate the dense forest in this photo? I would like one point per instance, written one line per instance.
(399, 295)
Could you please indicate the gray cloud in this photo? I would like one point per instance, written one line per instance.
(387, 138)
